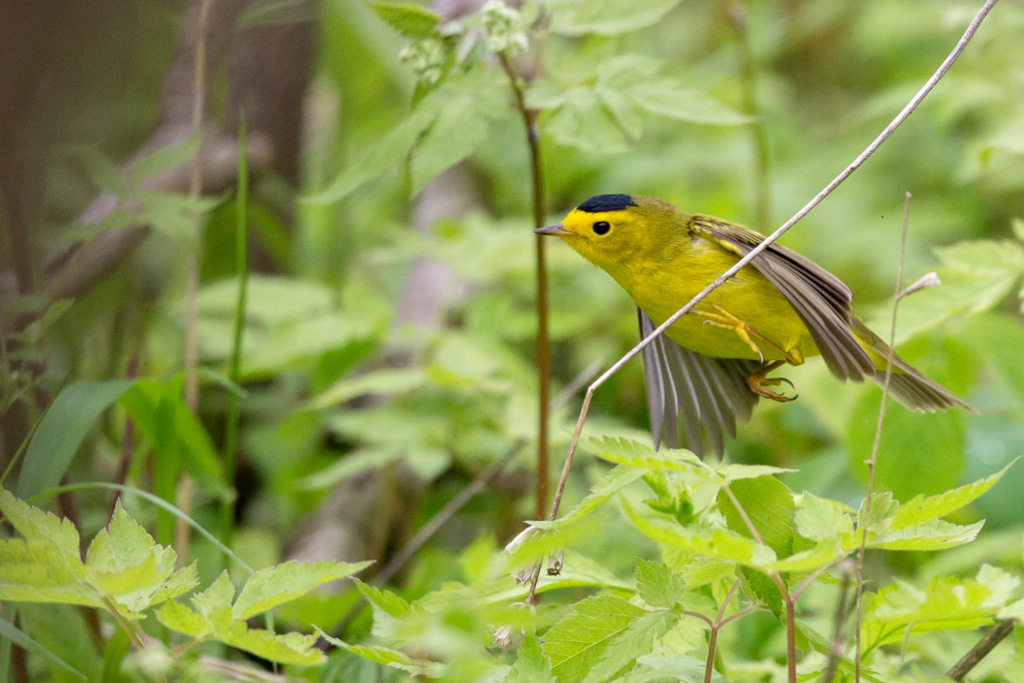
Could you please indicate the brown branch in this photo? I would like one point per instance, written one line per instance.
(979, 651)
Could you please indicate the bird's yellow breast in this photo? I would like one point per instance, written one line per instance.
(661, 288)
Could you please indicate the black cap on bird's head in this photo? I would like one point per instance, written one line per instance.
(606, 202)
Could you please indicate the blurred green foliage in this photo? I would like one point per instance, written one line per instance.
(337, 385)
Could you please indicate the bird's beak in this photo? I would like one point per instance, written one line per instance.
(552, 230)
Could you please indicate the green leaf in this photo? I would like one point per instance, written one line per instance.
(718, 543)
(608, 17)
(36, 525)
(384, 382)
(918, 453)
(583, 122)
(390, 657)
(933, 535)
(635, 454)
(461, 126)
(22, 640)
(923, 508)
(531, 665)
(219, 595)
(272, 586)
(616, 479)
(577, 641)
(61, 431)
(36, 571)
(180, 618)
(820, 519)
(386, 153)
(676, 667)
(998, 339)
(412, 21)
(634, 641)
(665, 97)
(948, 603)
(769, 506)
(384, 600)
(657, 584)
(287, 648)
(123, 544)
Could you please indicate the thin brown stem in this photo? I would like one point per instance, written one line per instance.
(835, 650)
(865, 523)
(185, 486)
(543, 341)
(981, 650)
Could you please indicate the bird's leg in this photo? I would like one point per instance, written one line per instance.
(758, 383)
(728, 321)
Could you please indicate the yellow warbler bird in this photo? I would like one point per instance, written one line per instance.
(713, 365)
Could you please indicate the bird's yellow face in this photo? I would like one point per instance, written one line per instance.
(618, 229)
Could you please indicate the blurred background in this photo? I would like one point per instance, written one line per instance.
(388, 349)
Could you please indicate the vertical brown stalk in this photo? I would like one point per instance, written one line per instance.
(543, 343)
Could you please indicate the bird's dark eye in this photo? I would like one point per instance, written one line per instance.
(602, 227)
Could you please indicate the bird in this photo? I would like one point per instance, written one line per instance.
(711, 367)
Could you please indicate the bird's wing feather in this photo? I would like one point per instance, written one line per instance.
(820, 298)
(694, 389)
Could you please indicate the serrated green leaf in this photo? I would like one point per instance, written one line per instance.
(460, 127)
(390, 657)
(178, 583)
(22, 640)
(180, 618)
(531, 665)
(583, 122)
(616, 479)
(578, 640)
(219, 594)
(769, 506)
(61, 431)
(657, 584)
(36, 571)
(676, 667)
(386, 153)
(609, 17)
(287, 648)
(632, 453)
(923, 508)
(634, 641)
(124, 543)
(717, 543)
(132, 586)
(948, 603)
(821, 555)
(37, 525)
(386, 601)
(272, 586)
(933, 535)
(820, 519)
(730, 473)
(412, 21)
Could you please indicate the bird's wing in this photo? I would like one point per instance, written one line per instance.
(696, 390)
(820, 298)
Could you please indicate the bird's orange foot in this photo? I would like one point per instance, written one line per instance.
(728, 321)
(758, 383)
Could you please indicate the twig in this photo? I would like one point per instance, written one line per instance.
(739, 265)
(186, 485)
(432, 526)
(543, 342)
(737, 14)
(979, 651)
(835, 649)
(865, 523)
